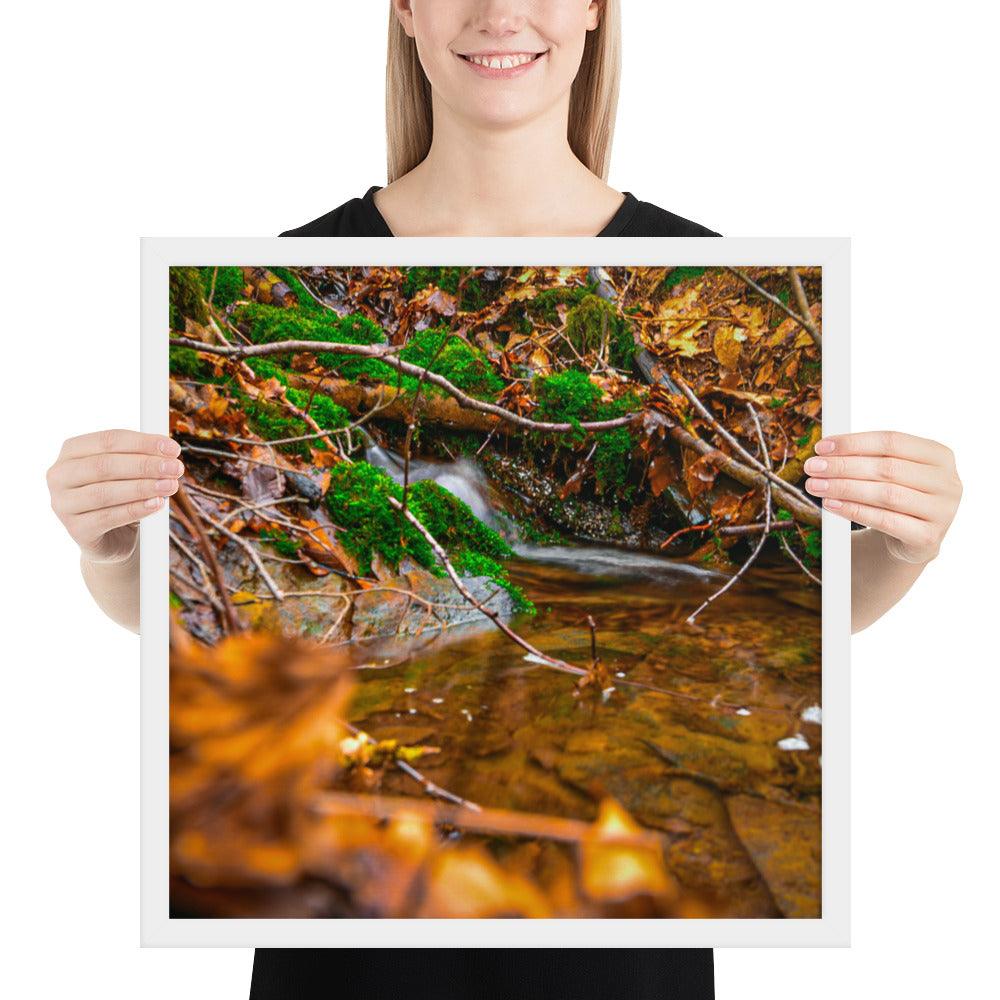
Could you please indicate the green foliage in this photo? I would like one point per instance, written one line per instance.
(544, 306)
(266, 324)
(680, 274)
(358, 501)
(327, 414)
(185, 363)
(186, 298)
(273, 422)
(813, 543)
(593, 319)
(229, 285)
(448, 279)
(267, 369)
(462, 363)
(306, 301)
(283, 544)
(570, 397)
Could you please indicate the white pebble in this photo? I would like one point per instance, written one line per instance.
(813, 714)
(796, 742)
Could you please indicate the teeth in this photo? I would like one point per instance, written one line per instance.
(501, 62)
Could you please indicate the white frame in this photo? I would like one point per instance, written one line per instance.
(831, 929)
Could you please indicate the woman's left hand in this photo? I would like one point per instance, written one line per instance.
(903, 486)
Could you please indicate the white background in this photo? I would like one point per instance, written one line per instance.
(874, 121)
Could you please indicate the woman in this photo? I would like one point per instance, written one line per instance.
(516, 91)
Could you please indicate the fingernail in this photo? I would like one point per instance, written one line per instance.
(165, 485)
(153, 502)
(825, 446)
(168, 447)
(817, 485)
(815, 464)
(832, 503)
(171, 467)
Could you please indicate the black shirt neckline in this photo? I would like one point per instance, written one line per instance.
(615, 225)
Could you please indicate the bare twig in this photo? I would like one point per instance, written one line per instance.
(193, 517)
(806, 323)
(763, 536)
(250, 551)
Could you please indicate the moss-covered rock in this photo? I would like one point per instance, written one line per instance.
(571, 397)
(594, 320)
(358, 502)
(187, 300)
(462, 363)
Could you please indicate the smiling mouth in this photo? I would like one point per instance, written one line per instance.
(500, 61)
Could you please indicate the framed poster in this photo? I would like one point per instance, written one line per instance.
(491, 591)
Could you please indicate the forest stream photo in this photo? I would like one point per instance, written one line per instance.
(495, 592)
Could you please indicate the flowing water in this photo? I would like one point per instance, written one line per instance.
(709, 732)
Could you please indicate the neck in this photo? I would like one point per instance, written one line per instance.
(499, 180)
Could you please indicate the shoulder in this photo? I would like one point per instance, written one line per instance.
(647, 219)
(357, 217)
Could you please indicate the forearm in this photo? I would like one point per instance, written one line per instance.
(114, 585)
(878, 579)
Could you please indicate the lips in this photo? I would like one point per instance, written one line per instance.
(500, 65)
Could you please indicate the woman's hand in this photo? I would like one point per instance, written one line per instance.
(903, 486)
(102, 484)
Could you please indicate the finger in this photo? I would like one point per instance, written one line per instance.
(89, 528)
(909, 530)
(120, 441)
(906, 446)
(107, 467)
(888, 496)
(883, 469)
(97, 496)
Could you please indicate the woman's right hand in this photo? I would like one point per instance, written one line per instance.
(103, 483)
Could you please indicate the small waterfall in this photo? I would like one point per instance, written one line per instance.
(463, 478)
(466, 480)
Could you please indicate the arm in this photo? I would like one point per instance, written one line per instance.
(114, 585)
(906, 491)
(101, 485)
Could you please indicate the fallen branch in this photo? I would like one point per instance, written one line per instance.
(385, 354)
(734, 443)
(800, 298)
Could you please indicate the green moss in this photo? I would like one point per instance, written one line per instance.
(267, 369)
(462, 363)
(266, 324)
(454, 280)
(544, 306)
(570, 397)
(273, 422)
(593, 319)
(358, 502)
(187, 300)
(185, 363)
(306, 301)
(283, 544)
(681, 274)
(229, 285)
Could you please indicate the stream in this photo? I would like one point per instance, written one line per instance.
(723, 756)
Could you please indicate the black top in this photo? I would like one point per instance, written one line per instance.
(360, 217)
(486, 973)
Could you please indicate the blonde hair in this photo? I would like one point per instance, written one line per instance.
(593, 101)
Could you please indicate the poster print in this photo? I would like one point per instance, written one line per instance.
(494, 592)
